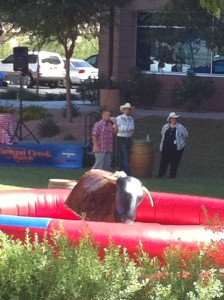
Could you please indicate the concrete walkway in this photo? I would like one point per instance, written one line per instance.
(184, 114)
(138, 113)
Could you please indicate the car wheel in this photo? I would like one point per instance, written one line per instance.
(28, 80)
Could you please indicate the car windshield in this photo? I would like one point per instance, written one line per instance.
(32, 58)
(81, 64)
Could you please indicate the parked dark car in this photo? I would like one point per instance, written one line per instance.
(93, 60)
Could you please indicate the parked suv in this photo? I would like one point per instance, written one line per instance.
(47, 66)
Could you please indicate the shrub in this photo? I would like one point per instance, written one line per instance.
(89, 89)
(48, 127)
(142, 90)
(7, 109)
(9, 94)
(35, 112)
(75, 110)
(59, 97)
(61, 270)
(191, 91)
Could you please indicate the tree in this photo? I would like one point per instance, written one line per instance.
(215, 7)
(62, 21)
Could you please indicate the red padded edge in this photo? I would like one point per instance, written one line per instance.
(36, 203)
(179, 209)
(168, 209)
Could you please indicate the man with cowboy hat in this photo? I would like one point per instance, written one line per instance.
(125, 128)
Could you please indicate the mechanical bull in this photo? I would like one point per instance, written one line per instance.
(107, 197)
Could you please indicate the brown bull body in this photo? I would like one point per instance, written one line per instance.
(107, 197)
(94, 197)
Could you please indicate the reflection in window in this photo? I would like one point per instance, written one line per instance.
(173, 49)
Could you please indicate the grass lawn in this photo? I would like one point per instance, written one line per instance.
(201, 171)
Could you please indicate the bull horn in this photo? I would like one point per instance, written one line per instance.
(149, 195)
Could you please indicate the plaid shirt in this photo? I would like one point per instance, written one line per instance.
(104, 135)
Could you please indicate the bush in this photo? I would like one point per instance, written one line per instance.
(75, 110)
(48, 127)
(7, 109)
(35, 112)
(58, 97)
(142, 90)
(191, 91)
(89, 89)
(62, 270)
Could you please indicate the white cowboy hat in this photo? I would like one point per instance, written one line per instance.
(172, 115)
(126, 105)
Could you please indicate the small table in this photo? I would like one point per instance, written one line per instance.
(7, 129)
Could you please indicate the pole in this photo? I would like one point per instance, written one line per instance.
(20, 123)
(111, 44)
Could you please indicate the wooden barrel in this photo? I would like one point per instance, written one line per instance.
(61, 183)
(141, 158)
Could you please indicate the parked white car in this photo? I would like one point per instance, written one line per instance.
(80, 70)
(46, 66)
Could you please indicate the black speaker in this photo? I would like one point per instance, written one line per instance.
(20, 59)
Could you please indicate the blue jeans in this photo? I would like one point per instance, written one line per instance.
(124, 148)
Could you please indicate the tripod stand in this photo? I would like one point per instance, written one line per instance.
(20, 123)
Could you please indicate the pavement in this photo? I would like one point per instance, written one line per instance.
(87, 106)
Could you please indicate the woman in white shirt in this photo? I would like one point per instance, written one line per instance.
(125, 128)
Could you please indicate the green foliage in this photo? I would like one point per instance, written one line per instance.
(192, 91)
(74, 110)
(35, 112)
(61, 270)
(26, 95)
(215, 7)
(9, 94)
(7, 109)
(86, 47)
(58, 97)
(48, 127)
(142, 90)
(89, 89)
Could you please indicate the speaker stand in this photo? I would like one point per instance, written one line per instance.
(20, 123)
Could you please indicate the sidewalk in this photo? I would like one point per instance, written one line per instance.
(137, 112)
(140, 113)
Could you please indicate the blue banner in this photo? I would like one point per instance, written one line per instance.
(66, 155)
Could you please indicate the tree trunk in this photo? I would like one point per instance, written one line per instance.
(68, 91)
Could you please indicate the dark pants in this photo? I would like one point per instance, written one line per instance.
(124, 148)
(170, 157)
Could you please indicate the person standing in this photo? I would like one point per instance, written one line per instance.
(172, 145)
(125, 128)
(102, 137)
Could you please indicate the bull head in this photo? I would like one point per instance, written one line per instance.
(129, 193)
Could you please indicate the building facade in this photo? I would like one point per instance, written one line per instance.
(121, 52)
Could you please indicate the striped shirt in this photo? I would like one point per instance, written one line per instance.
(103, 131)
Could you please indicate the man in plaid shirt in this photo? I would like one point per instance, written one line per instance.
(102, 136)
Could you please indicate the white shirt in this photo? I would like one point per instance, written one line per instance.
(125, 125)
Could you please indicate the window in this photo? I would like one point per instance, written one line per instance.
(170, 49)
(9, 60)
(54, 60)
